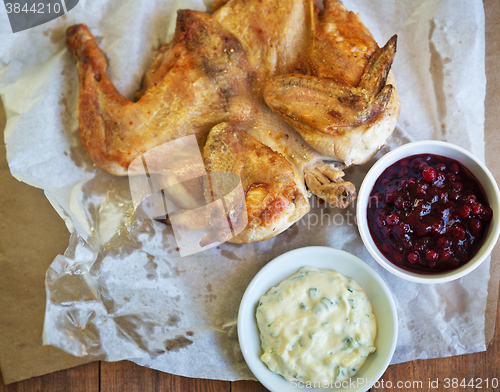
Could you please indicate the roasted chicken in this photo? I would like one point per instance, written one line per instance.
(280, 92)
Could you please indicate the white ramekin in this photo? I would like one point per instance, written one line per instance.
(448, 150)
(326, 258)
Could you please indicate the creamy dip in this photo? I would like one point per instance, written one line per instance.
(317, 325)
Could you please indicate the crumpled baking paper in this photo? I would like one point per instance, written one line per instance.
(122, 291)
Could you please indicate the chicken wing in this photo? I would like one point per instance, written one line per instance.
(348, 105)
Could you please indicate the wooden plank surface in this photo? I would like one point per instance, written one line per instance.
(127, 376)
(84, 378)
(247, 386)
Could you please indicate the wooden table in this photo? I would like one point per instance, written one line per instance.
(128, 377)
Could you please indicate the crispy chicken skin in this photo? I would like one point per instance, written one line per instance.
(305, 93)
(275, 195)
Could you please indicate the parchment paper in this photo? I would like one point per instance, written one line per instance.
(122, 291)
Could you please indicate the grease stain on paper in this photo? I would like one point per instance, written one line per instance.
(177, 343)
(56, 35)
(173, 320)
(150, 268)
(228, 254)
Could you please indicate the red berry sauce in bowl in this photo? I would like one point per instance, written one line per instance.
(428, 214)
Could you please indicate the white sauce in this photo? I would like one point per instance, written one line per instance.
(317, 325)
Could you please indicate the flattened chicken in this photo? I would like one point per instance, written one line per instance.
(303, 92)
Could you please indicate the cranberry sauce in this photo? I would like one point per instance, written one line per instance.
(428, 213)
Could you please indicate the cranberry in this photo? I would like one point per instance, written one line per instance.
(455, 167)
(392, 219)
(442, 195)
(471, 199)
(412, 181)
(422, 229)
(441, 167)
(391, 171)
(390, 196)
(444, 255)
(464, 211)
(451, 176)
(413, 218)
(437, 226)
(431, 255)
(429, 174)
(405, 162)
(403, 171)
(477, 208)
(385, 182)
(475, 226)
(443, 242)
(404, 227)
(487, 214)
(432, 264)
(457, 186)
(398, 247)
(413, 257)
(401, 203)
(423, 166)
(454, 195)
(422, 189)
(380, 221)
(420, 245)
(398, 257)
(458, 232)
(416, 162)
(424, 208)
(407, 244)
(440, 177)
(377, 197)
(386, 248)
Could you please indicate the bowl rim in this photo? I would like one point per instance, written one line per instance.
(285, 268)
(416, 148)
